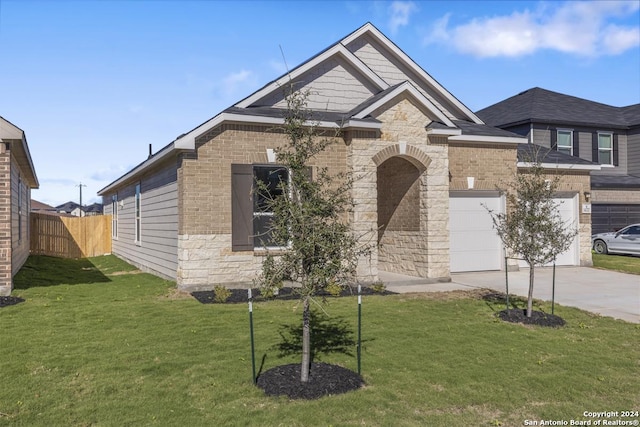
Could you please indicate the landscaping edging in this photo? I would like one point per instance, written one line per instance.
(7, 301)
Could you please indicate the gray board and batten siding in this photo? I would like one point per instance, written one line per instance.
(157, 251)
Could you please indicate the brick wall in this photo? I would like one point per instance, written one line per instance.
(491, 165)
(204, 185)
(631, 196)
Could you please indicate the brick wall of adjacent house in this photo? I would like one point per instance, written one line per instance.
(204, 183)
(5, 220)
(630, 196)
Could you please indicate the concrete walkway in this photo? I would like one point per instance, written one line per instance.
(599, 291)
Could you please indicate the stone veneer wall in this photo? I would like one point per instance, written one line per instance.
(205, 257)
(5, 221)
(491, 165)
(425, 252)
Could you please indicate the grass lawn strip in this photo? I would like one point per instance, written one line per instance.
(622, 263)
(89, 347)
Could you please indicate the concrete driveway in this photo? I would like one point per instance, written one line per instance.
(599, 291)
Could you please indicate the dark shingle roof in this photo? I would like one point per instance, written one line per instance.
(632, 114)
(541, 105)
(538, 153)
(615, 181)
(469, 128)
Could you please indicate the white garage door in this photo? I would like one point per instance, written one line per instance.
(475, 246)
(568, 208)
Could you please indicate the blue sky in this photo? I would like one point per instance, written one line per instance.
(93, 83)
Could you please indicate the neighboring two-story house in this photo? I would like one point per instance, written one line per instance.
(423, 166)
(599, 133)
(17, 178)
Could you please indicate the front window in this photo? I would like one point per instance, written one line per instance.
(138, 214)
(114, 216)
(273, 179)
(565, 142)
(605, 148)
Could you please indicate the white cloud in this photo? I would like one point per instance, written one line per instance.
(237, 82)
(400, 13)
(579, 28)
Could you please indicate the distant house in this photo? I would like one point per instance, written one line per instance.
(93, 209)
(424, 167)
(70, 208)
(43, 208)
(18, 175)
(603, 134)
(74, 209)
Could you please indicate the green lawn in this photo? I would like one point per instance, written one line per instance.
(623, 263)
(97, 344)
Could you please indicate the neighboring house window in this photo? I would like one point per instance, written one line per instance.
(565, 141)
(114, 216)
(138, 214)
(273, 178)
(605, 148)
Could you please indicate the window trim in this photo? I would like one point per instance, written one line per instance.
(571, 142)
(609, 150)
(114, 216)
(19, 208)
(273, 166)
(137, 237)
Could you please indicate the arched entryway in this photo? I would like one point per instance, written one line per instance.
(401, 193)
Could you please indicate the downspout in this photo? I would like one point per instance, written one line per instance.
(531, 134)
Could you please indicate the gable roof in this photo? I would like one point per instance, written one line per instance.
(541, 105)
(12, 134)
(340, 48)
(375, 84)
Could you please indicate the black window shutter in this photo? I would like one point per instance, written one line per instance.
(241, 207)
(594, 148)
(554, 139)
(615, 150)
(576, 143)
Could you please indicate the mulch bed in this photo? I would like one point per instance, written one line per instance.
(324, 380)
(518, 315)
(286, 293)
(7, 301)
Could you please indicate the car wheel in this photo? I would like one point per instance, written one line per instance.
(600, 247)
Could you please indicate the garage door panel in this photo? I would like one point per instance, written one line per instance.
(613, 217)
(567, 207)
(474, 244)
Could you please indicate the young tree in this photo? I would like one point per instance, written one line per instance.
(309, 220)
(533, 227)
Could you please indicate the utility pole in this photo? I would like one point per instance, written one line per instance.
(81, 207)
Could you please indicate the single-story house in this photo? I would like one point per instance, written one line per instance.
(600, 133)
(423, 166)
(17, 178)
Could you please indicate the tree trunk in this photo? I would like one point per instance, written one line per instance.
(530, 297)
(306, 342)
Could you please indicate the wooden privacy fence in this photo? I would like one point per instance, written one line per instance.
(70, 237)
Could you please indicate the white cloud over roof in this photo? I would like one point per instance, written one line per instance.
(587, 29)
(400, 14)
